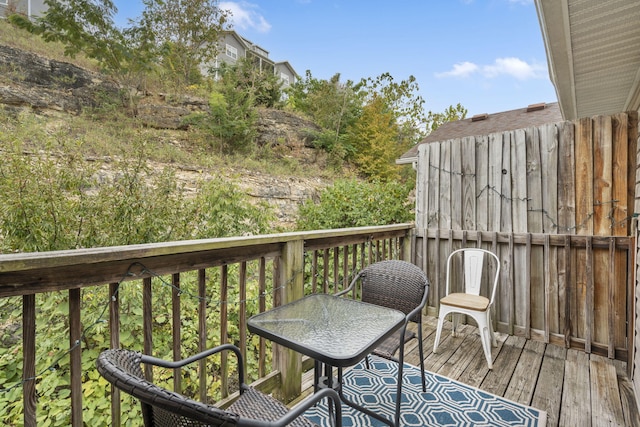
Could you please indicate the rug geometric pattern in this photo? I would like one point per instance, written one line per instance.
(446, 402)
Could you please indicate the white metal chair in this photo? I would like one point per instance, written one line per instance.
(470, 302)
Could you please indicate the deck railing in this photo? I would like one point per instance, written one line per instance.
(176, 298)
(198, 293)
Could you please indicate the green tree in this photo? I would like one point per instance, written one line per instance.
(186, 31)
(375, 137)
(87, 27)
(232, 117)
(333, 105)
(451, 114)
(264, 87)
(353, 203)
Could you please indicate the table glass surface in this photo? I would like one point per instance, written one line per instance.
(336, 330)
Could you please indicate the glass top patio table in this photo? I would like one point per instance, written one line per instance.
(334, 330)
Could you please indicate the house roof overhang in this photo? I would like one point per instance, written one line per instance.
(593, 51)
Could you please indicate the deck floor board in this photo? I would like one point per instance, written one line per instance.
(573, 387)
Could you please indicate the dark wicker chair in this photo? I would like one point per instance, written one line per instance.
(161, 407)
(400, 285)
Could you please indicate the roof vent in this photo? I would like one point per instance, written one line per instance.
(479, 117)
(535, 107)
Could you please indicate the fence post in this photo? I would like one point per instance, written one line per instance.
(288, 362)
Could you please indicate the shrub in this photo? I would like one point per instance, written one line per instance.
(351, 203)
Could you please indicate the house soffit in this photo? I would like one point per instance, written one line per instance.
(593, 50)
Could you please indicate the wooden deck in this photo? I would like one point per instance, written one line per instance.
(574, 388)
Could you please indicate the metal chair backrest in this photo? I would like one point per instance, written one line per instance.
(474, 262)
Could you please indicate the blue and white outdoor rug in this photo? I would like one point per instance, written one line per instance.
(446, 402)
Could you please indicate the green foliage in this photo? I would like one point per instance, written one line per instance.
(370, 123)
(401, 100)
(52, 200)
(333, 105)
(232, 115)
(179, 35)
(49, 203)
(351, 203)
(451, 114)
(263, 86)
(187, 33)
(221, 210)
(375, 137)
(87, 27)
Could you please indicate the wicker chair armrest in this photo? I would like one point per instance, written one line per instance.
(351, 285)
(180, 363)
(307, 403)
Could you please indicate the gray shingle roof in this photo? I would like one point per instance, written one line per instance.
(491, 123)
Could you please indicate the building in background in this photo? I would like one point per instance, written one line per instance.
(234, 47)
(30, 8)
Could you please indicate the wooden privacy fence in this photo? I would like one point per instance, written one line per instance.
(551, 195)
(560, 178)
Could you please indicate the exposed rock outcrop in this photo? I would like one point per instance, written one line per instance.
(30, 81)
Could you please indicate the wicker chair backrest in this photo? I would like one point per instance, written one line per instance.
(396, 284)
(160, 407)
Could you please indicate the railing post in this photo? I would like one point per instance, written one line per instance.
(288, 362)
(407, 245)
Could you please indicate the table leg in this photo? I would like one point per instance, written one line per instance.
(327, 380)
(364, 410)
(399, 393)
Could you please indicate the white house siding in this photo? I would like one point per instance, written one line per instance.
(31, 8)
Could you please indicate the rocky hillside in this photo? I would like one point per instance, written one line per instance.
(54, 89)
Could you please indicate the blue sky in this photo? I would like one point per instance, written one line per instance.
(487, 55)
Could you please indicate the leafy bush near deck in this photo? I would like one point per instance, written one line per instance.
(352, 203)
(54, 200)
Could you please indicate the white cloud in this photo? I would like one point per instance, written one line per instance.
(513, 67)
(245, 16)
(462, 69)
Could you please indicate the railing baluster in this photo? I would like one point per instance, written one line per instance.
(569, 294)
(29, 359)
(114, 332)
(325, 271)
(589, 299)
(262, 350)
(177, 334)
(510, 290)
(242, 314)
(345, 266)
(224, 296)
(75, 333)
(527, 266)
(547, 288)
(354, 262)
(147, 325)
(202, 333)
(314, 272)
(336, 268)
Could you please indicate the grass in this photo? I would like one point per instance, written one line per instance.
(19, 39)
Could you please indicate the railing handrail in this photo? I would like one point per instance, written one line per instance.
(19, 272)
